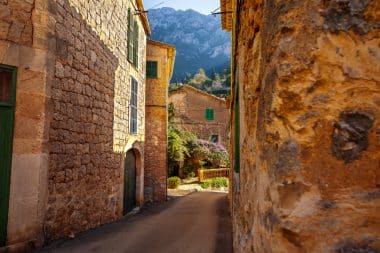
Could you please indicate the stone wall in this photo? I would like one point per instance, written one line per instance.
(71, 116)
(156, 117)
(108, 19)
(189, 113)
(89, 130)
(24, 25)
(309, 87)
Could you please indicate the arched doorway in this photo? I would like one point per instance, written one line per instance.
(129, 181)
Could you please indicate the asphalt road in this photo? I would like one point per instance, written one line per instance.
(196, 223)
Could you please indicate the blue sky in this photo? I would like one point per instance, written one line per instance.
(202, 6)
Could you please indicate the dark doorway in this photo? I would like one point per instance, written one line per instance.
(7, 109)
(129, 181)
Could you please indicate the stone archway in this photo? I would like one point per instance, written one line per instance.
(129, 182)
(132, 180)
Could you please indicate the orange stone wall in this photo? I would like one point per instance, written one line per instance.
(155, 173)
(190, 105)
(25, 45)
(308, 74)
(71, 116)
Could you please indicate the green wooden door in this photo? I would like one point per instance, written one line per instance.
(129, 182)
(7, 107)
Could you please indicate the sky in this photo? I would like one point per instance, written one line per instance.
(202, 6)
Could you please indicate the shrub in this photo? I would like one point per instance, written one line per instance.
(205, 184)
(214, 153)
(191, 174)
(173, 182)
(182, 146)
(218, 182)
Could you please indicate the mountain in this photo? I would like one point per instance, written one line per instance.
(199, 39)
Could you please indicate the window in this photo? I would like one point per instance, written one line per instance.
(135, 44)
(151, 69)
(214, 138)
(133, 105)
(133, 39)
(209, 114)
(6, 78)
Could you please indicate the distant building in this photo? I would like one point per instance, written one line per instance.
(160, 62)
(201, 113)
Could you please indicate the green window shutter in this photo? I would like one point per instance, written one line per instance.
(237, 131)
(7, 109)
(151, 69)
(136, 44)
(133, 105)
(130, 35)
(209, 114)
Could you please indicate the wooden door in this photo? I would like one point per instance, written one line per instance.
(7, 108)
(129, 182)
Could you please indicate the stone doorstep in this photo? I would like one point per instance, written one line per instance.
(19, 247)
(133, 212)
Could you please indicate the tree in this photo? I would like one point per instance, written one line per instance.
(201, 72)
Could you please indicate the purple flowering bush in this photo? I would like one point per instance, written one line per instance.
(214, 154)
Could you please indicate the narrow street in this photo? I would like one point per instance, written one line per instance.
(196, 223)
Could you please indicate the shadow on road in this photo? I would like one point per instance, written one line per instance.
(224, 235)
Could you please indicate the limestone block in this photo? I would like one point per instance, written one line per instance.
(27, 196)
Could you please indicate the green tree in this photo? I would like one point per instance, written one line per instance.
(177, 150)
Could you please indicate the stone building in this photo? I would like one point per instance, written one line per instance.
(72, 83)
(305, 125)
(160, 63)
(201, 113)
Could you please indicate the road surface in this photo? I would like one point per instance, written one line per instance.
(196, 223)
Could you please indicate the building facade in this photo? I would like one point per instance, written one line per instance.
(72, 109)
(305, 125)
(201, 113)
(160, 63)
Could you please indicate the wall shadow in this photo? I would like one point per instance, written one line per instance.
(84, 171)
(223, 240)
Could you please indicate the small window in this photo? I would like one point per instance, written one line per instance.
(6, 86)
(133, 105)
(151, 69)
(214, 138)
(209, 114)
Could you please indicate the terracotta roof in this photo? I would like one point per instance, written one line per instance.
(160, 44)
(171, 53)
(143, 16)
(198, 91)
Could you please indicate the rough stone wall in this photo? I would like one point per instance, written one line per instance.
(109, 20)
(24, 44)
(156, 125)
(189, 113)
(309, 79)
(89, 130)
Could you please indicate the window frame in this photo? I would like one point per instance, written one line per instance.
(153, 69)
(130, 36)
(12, 88)
(210, 114)
(217, 138)
(135, 43)
(133, 40)
(133, 104)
